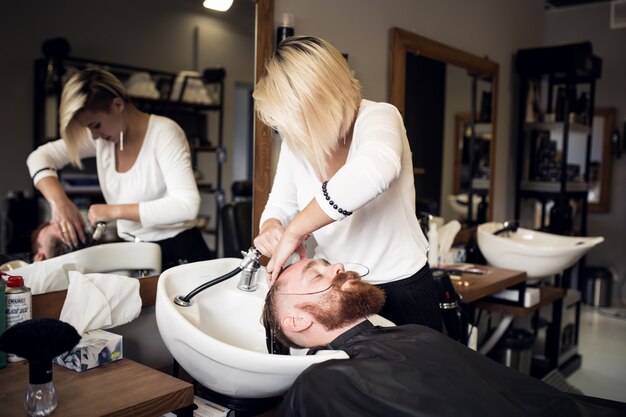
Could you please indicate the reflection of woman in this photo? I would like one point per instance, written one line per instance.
(144, 168)
(344, 175)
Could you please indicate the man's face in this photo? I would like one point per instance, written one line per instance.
(308, 276)
(331, 295)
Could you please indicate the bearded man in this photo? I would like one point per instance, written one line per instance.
(407, 370)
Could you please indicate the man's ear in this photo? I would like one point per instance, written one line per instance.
(296, 324)
(39, 256)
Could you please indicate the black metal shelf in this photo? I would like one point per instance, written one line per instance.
(573, 128)
(542, 172)
(173, 105)
(570, 65)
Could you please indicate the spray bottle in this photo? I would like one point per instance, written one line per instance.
(19, 306)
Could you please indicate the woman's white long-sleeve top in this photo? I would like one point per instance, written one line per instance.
(376, 184)
(161, 180)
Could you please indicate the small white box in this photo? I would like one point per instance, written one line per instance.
(531, 296)
(96, 348)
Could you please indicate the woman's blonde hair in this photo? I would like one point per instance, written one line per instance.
(92, 89)
(310, 97)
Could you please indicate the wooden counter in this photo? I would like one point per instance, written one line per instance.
(49, 304)
(122, 388)
(473, 287)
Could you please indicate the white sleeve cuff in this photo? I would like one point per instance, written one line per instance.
(43, 173)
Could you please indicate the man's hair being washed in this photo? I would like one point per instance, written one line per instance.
(334, 308)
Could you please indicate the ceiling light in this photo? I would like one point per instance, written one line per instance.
(219, 5)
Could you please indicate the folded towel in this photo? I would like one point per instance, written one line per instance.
(100, 301)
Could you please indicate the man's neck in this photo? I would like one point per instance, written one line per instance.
(319, 336)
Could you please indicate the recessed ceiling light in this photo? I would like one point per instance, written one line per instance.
(219, 5)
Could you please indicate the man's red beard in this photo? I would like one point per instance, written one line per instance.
(339, 307)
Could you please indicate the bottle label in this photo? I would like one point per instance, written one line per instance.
(19, 308)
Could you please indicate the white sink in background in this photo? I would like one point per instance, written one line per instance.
(539, 254)
(459, 204)
(119, 257)
(219, 340)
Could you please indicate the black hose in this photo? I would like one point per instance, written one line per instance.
(208, 284)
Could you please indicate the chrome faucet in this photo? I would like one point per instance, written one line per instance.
(249, 269)
(249, 265)
(508, 227)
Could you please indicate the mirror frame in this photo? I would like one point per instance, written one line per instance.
(404, 41)
(262, 140)
(604, 203)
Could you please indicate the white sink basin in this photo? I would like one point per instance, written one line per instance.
(119, 257)
(219, 340)
(539, 254)
(459, 204)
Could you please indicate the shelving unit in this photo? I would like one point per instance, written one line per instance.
(554, 146)
(556, 105)
(478, 131)
(201, 121)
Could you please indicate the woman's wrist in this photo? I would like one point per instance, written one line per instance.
(269, 224)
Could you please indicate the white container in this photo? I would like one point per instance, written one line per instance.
(19, 306)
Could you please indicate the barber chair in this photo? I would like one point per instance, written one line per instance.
(237, 220)
(236, 227)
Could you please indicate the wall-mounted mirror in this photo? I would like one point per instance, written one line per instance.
(599, 196)
(448, 100)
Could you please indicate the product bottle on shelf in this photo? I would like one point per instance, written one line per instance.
(285, 30)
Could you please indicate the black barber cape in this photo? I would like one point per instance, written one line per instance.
(411, 370)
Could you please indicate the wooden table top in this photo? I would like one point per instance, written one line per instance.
(121, 388)
(473, 287)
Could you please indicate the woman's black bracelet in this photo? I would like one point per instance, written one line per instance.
(332, 203)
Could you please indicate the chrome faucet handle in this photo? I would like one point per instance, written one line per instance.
(250, 258)
(101, 228)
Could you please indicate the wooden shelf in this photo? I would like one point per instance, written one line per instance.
(553, 186)
(574, 128)
(206, 188)
(548, 295)
(203, 148)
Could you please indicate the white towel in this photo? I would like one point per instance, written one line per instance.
(447, 233)
(100, 301)
(42, 277)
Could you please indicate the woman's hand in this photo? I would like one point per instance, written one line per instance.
(70, 221)
(101, 213)
(286, 247)
(267, 240)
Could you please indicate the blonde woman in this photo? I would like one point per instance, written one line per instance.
(143, 163)
(345, 176)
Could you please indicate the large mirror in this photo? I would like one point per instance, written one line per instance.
(448, 100)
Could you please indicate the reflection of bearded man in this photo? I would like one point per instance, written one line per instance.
(339, 307)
